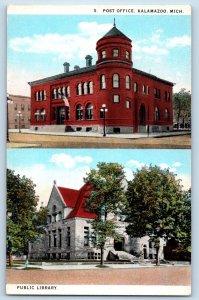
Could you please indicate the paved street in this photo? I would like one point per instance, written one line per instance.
(170, 275)
(133, 141)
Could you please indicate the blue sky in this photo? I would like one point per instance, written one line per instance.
(69, 166)
(38, 45)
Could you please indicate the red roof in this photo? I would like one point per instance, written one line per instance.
(79, 210)
(69, 195)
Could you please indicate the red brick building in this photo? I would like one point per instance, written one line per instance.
(133, 99)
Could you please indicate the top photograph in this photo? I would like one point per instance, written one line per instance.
(99, 77)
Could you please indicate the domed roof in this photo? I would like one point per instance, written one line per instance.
(114, 32)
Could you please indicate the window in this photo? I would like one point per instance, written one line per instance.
(128, 104)
(147, 90)
(157, 114)
(144, 89)
(86, 236)
(79, 112)
(54, 94)
(68, 237)
(103, 82)
(166, 114)
(157, 93)
(22, 107)
(85, 90)
(90, 87)
(135, 87)
(15, 106)
(68, 91)
(37, 113)
(89, 111)
(115, 52)
(115, 80)
(79, 89)
(103, 54)
(60, 238)
(67, 113)
(43, 114)
(49, 239)
(165, 96)
(127, 82)
(116, 98)
(127, 55)
(54, 239)
(169, 96)
(28, 107)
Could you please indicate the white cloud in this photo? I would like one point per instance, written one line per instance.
(128, 173)
(176, 164)
(64, 46)
(163, 166)
(178, 41)
(185, 181)
(135, 164)
(66, 161)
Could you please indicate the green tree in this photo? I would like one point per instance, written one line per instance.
(156, 206)
(182, 107)
(106, 197)
(21, 212)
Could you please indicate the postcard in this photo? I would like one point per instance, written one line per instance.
(98, 150)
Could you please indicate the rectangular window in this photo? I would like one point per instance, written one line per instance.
(22, 107)
(86, 236)
(49, 239)
(60, 238)
(68, 237)
(127, 55)
(104, 54)
(116, 98)
(54, 239)
(147, 90)
(115, 52)
(135, 87)
(15, 106)
(128, 104)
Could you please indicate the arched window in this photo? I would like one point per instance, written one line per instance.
(41, 95)
(44, 94)
(43, 114)
(89, 111)
(37, 96)
(90, 87)
(85, 88)
(79, 89)
(144, 89)
(115, 80)
(135, 87)
(166, 114)
(59, 93)
(54, 213)
(103, 81)
(68, 91)
(79, 112)
(63, 91)
(157, 114)
(127, 82)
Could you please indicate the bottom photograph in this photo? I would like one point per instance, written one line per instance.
(90, 222)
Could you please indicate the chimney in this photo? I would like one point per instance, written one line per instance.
(88, 60)
(66, 67)
(76, 67)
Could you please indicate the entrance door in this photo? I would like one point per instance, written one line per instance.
(119, 245)
(60, 115)
(142, 115)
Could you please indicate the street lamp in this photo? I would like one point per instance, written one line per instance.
(9, 101)
(104, 110)
(19, 115)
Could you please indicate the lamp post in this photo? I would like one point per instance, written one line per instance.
(19, 115)
(9, 101)
(104, 110)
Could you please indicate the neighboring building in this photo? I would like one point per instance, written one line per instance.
(134, 99)
(68, 233)
(19, 104)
